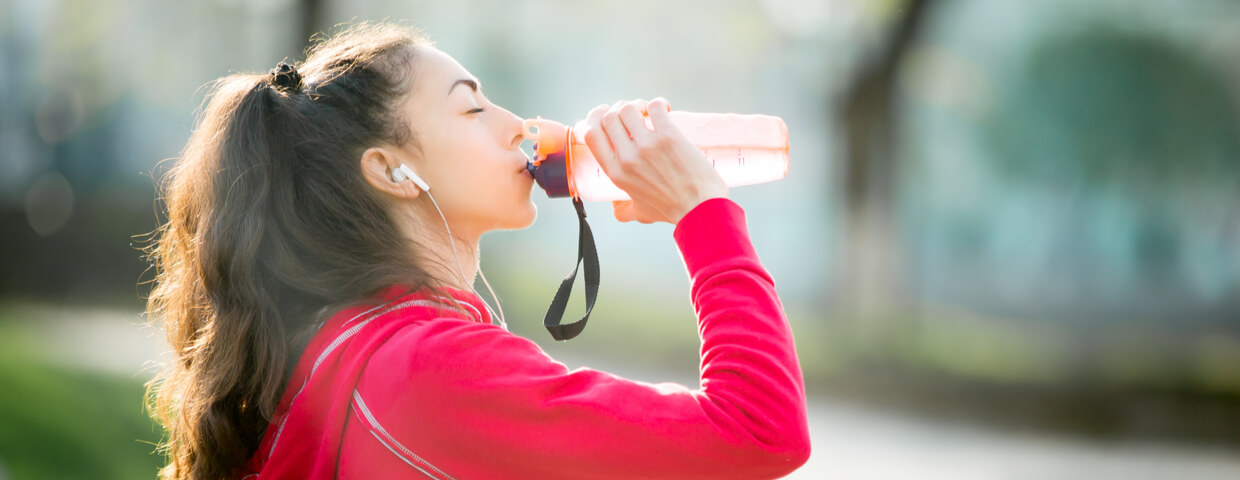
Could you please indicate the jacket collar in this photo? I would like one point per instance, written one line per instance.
(468, 302)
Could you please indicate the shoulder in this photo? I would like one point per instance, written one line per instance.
(456, 348)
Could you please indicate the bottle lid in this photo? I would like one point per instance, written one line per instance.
(549, 137)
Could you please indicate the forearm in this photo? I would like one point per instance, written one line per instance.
(751, 379)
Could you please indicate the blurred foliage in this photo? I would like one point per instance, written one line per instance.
(1081, 172)
(1105, 107)
(68, 423)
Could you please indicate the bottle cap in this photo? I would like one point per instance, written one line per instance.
(549, 137)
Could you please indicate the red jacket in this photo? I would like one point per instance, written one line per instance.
(414, 389)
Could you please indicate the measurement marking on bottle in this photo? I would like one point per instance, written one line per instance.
(740, 157)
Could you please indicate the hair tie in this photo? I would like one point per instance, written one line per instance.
(285, 77)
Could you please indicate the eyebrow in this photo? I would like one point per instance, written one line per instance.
(469, 82)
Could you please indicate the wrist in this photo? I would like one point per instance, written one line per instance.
(693, 204)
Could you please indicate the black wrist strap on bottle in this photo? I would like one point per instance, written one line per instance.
(585, 251)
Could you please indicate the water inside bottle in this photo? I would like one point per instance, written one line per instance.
(736, 166)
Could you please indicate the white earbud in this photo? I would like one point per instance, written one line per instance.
(403, 172)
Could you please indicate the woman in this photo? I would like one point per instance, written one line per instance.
(317, 295)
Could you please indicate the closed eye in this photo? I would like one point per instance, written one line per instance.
(477, 110)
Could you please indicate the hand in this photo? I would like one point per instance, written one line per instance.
(664, 175)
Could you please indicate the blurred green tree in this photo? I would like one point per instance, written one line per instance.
(1110, 108)
(1106, 111)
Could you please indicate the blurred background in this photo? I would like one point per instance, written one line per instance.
(1008, 243)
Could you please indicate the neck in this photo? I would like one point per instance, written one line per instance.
(444, 265)
(460, 277)
(430, 235)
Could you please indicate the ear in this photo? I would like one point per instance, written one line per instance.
(377, 166)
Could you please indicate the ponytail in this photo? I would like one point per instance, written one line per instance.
(270, 223)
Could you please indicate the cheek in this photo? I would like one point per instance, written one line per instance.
(483, 178)
(489, 187)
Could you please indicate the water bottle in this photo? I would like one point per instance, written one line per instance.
(744, 149)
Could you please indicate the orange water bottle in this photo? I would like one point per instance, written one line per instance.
(744, 149)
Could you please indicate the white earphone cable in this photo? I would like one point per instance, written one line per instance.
(461, 271)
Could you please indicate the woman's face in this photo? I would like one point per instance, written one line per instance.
(470, 149)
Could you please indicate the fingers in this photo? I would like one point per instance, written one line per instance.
(596, 114)
(635, 123)
(659, 103)
(628, 146)
(658, 110)
(596, 140)
(626, 150)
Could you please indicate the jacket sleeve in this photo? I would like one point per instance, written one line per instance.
(450, 387)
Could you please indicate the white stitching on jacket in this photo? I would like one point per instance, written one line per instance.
(336, 343)
(376, 430)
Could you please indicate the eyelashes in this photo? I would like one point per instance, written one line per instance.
(477, 110)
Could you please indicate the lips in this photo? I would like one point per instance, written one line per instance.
(525, 164)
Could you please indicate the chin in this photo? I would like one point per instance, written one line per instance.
(522, 218)
(531, 215)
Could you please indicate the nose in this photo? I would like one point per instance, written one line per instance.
(514, 126)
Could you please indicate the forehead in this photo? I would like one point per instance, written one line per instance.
(436, 72)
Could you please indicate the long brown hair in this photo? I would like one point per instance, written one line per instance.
(269, 222)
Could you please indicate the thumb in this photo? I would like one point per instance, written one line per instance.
(623, 209)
